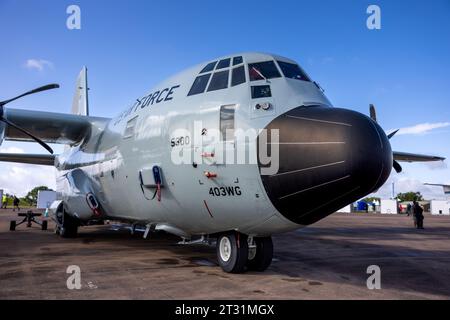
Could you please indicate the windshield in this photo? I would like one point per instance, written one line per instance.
(292, 71)
(263, 71)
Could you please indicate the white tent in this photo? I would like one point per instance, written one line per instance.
(346, 209)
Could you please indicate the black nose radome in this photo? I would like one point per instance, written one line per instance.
(328, 158)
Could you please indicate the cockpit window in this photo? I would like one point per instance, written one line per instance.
(209, 67)
(219, 80)
(199, 84)
(225, 63)
(263, 70)
(237, 60)
(292, 71)
(237, 76)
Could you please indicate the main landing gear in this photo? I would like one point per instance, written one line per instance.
(237, 253)
(67, 226)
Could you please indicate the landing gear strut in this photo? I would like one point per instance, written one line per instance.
(67, 226)
(235, 256)
(260, 256)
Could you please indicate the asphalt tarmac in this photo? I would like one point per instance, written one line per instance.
(327, 260)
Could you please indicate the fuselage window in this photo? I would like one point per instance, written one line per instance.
(199, 84)
(237, 76)
(261, 92)
(263, 70)
(129, 129)
(227, 122)
(225, 63)
(293, 71)
(237, 60)
(219, 81)
(209, 67)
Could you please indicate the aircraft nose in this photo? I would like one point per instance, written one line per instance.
(328, 158)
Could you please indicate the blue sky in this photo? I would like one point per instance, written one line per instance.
(130, 46)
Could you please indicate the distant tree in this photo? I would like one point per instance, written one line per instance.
(371, 199)
(31, 196)
(410, 196)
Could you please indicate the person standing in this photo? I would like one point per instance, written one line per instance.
(16, 202)
(408, 209)
(4, 201)
(418, 212)
(413, 213)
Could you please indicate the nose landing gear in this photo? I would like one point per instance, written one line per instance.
(235, 256)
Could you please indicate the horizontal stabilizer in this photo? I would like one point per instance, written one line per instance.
(446, 187)
(42, 159)
(413, 157)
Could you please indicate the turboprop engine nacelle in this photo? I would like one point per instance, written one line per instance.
(77, 196)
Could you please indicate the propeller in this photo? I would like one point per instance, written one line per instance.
(9, 123)
(373, 115)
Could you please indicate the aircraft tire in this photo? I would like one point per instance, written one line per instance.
(232, 252)
(69, 227)
(263, 256)
(12, 225)
(44, 225)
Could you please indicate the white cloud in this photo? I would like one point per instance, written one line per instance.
(38, 64)
(422, 128)
(437, 165)
(18, 179)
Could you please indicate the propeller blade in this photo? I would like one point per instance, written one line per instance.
(43, 88)
(373, 113)
(42, 143)
(390, 135)
(397, 166)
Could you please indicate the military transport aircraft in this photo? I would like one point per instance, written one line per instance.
(160, 163)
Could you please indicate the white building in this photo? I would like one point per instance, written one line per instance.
(440, 207)
(45, 199)
(388, 206)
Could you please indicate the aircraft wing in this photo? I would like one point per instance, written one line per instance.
(50, 127)
(42, 159)
(413, 157)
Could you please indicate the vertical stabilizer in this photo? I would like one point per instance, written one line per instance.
(80, 104)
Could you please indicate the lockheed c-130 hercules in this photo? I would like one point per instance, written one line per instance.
(159, 164)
